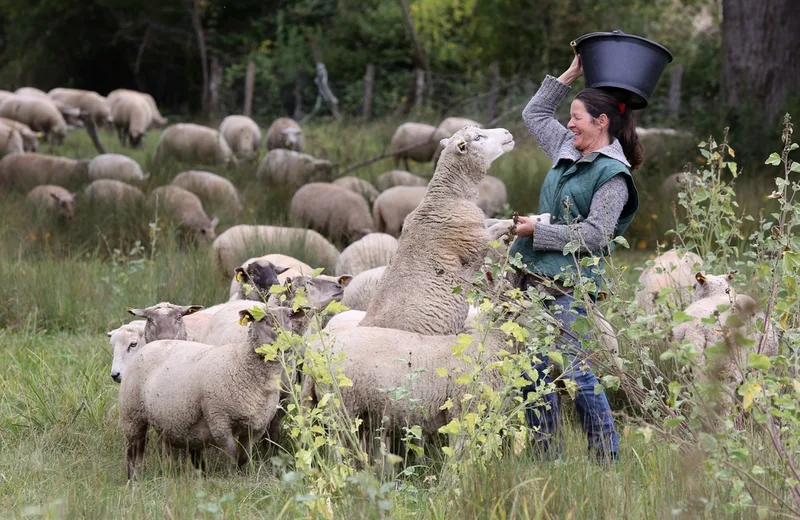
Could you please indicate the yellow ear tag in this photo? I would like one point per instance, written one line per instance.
(462, 146)
(244, 320)
(700, 277)
(239, 276)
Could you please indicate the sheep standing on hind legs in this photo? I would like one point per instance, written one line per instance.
(443, 242)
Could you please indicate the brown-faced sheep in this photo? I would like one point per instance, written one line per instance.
(185, 208)
(191, 142)
(242, 135)
(285, 133)
(414, 141)
(336, 212)
(24, 171)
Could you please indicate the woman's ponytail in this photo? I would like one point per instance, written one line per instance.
(621, 121)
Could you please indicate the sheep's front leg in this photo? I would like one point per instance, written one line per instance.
(246, 442)
(498, 228)
(134, 451)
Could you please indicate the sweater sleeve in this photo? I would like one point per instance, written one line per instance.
(596, 231)
(539, 117)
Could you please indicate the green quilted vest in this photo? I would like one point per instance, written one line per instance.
(567, 195)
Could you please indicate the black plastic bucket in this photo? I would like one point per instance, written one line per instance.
(628, 65)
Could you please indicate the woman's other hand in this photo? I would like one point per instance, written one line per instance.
(574, 71)
(525, 226)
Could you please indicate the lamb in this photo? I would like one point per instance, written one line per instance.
(95, 105)
(285, 133)
(155, 118)
(179, 389)
(24, 171)
(361, 186)
(30, 140)
(164, 320)
(336, 212)
(393, 206)
(444, 241)
(242, 135)
(288, 266)
(374, 250)
(393, 178)
(53, 199)
(671, 271)
(211, 188)
(233, 246)
(492, 196)
(446, 129)
(191, 142)
(414, 141)
(40, 115)
(10, 141)
(132, 117)
(114, 193)
(125, 342)
(290, 169)
(360, 290)
(117, 167)
(187, 211)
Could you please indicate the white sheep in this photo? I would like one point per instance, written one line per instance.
(186, 209)
(40, 115)
(336, 212)
(444, 242)
(24, 171)
(285, 133)
(197, 395)
(673, 271)
(415, 141)
(358, 185)
(155, 117)
(116, 194)
(132, 117)
(95, 105)
(492, 196)
(373, 250)
(242, 135)
(211, 188)
(191, 142)
(290, 169)
(30, 139)
(393, 178)
(391, 208)
(10, 141)
(240, 242)
(361, 288)
(117, 167)
(53, 199)
(446, 129)
(125, 342)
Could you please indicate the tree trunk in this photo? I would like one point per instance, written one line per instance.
(214, 84)
(322, 80)
(249, 88)
(194, 11)
(760, 45)
(369, 84)
(494, 91)
(420, 59)
(674, 106)
(420, 88)
(137, 66)
(298, 98)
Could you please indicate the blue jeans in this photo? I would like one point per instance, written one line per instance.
(594, 411)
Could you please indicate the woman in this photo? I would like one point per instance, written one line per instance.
(588, 197)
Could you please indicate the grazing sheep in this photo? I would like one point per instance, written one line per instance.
(235, 244)
(132, 118)
(446, 129)
(285, 133)
(211, 188)
(290, 267)
(125, 342)
(10, 141)
(291, 169)
(414, 141)
(40, 115)
(114, 193)
(187, 211)
(53, 199)
(31, 92)
(196, 395)
(87, 101)
(30, 141)
(361, 186)
(393, 206)
(393, 178)
(155, 118)
(360, 290)
(492, 196)
(24, 171)
(116, 166)
(336, 212)
(671, 271)
(164, 320)
(242, 135)
(374, 250)
(444, 241)
(191, 142)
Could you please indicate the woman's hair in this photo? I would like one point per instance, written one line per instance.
(621, 124)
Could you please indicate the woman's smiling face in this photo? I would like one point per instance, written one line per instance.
(587, 131)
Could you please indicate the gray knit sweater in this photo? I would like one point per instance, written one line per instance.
(608, 201)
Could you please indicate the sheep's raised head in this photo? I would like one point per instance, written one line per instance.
(125, 341)
(264, 326)
(320, 290)
(164, 320)
(260, 275)
(706, 285)
(487, 144)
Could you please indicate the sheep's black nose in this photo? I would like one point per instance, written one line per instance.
(116, 377)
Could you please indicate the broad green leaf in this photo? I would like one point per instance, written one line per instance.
(257, 313)
(277, 289)
(795, 167)
(453, 427)
(774, 159)
(335, 307)
(791, 261)
(447, 450)
(680, 317)
(621, 241)
(732, 168)
(447, 404)
(674, 421)
(556, 358)
(748, 392)
(758, 361)
(343, 380)
(441, 372)
(316, 272)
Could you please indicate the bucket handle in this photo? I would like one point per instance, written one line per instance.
(574, 46)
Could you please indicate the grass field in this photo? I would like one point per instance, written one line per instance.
(61, 447)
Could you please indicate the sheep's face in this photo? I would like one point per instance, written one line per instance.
(479, 142)
(65, 205)
(125, 341)
(712, 285)
(291, 138)
(207, 234)
(164, 320)
(319, 291)
(261, 275)
(265, 328)
(135, 139)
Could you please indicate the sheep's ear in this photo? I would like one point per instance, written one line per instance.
(443, 143)
(732, 274)
(700, 278)
(345, 280)
(55, 197)
(462, 146)
(110, 332)
(214, 222)
(245, 317)
(145, 176)
(142, 313)
(239, 274)
(279, 269)
(190, 309)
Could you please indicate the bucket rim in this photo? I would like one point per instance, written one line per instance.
(619, 33)
(613, 84)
